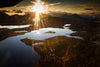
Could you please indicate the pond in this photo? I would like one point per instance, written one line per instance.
(19, 52)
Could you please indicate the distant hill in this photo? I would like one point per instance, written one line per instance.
(74, 16)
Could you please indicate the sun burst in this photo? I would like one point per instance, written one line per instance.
(39, 8)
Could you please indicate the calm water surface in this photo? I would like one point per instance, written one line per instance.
(20, 52)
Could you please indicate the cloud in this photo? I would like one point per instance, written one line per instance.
(90, 6)
(55, 4)
(87, 8)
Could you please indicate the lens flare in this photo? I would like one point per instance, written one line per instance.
(39, 8)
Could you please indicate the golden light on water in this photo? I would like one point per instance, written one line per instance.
(39, 8)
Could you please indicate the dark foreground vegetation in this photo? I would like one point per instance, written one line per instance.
(62, 51)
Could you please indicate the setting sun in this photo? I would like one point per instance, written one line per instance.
(39, 7)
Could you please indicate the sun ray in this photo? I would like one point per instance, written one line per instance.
(39, 8)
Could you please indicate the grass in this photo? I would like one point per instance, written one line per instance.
(68, 52)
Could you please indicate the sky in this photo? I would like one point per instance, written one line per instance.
(70, 6)
(79, 6)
